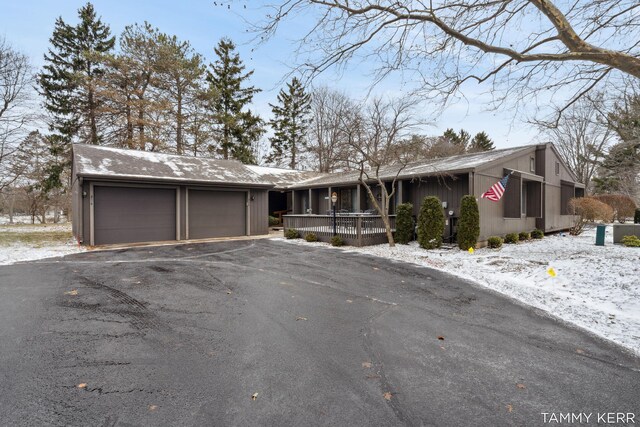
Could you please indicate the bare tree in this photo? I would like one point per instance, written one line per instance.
(544, 49)
(581, 136)
(15, 80)
(376, 145)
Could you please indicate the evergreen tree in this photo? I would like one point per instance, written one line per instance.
(481, 142)
(460, 139)
(290, 123)
(238, 129)
(430, 223)
(67, 81)
(404, 223)
(469, 224)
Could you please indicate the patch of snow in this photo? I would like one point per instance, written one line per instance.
(17, 252)
(596, 287)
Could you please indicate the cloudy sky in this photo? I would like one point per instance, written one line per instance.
(28, 24)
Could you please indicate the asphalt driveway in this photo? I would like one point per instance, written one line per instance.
(187, 334)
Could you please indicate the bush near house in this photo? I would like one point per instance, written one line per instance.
(636, 218)
(337, 241)
(537, 234)
(273, 221)
(631, 241)
(404, 223)
(291, 233)
(623, 206)
(512, 238)
(524, 236)
(469, 223)
(586, 210)
(494, 242)
(430, 223)
(311, 237)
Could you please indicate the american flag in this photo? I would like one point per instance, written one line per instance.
(497, 190)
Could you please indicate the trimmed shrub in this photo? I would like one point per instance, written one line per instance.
(291, 233)
(404, 223)
(631, 241)
(512, 238)
(311, 237)
(524, 236)
(586, 210)
(636, 218)
(537, 234)
(273, 221)
(469, 223)
(430, 223)
(494, 242)
(623, 206)
(337, 241)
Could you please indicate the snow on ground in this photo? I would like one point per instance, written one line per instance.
(595, 287)
(38, 248)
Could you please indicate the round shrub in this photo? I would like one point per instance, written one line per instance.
(524, 236)
(291, 233)
(469, 223)
(494, 242)
(511, 238)
(623, 206)
(430, 223)
(337, 241)
(404, 223)
(273, 221)
(537, 234)
(311, 237)
(631, 241)
(636, 218)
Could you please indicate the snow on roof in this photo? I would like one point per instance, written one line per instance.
(282, 178)
(420, 168)
(97, 161)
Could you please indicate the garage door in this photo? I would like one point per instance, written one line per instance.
(129, 215)
(217, 214)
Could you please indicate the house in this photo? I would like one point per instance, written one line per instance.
(126, 196)
(129, 196)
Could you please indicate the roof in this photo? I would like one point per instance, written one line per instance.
(452, 164)
(283, 178)
(97, 161)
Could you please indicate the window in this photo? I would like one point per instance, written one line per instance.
(557, 168)
(532, 164)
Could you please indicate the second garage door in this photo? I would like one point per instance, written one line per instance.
(217, 214)
(130, 214)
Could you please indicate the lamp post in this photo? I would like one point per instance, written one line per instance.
(334, 199)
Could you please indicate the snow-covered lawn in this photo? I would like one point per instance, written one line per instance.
(25, 242)
(595, 287)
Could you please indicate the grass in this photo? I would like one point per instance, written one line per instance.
(8, 238)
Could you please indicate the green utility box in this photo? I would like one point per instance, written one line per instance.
(600, 229)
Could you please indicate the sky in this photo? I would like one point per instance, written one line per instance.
(28, 24)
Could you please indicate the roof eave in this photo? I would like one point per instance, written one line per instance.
(173, 181)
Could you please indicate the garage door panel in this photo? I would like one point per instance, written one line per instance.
(130, 214)
(217, 214)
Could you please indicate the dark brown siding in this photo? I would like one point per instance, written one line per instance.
(534, 199)
(129, 214)
(86, 214)
(566, 194)
(217, 213)
(447, 189)
(511, 198)
(259, 212)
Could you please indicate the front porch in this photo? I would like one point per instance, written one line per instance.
(355, 229)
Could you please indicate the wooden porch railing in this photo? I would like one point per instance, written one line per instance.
(354, 229)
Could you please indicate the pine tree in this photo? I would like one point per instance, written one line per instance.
(469, 223)
(460, 139)
(67, 81)
(237, 129)
(290, 123)
(481, 142)
(430, 223)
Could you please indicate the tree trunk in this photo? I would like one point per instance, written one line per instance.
(92, 118)
(129, 136)
(179, 120)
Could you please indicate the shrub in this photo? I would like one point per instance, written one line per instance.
(586, 210)
(524, 236)
(623, 206)
(337, 241)
(291, 233)
(430, 223)
(537, 234)
(469, 223)
(511, 238)
(495, 242)
(311, 237)
(631, 241)
(404, 223)
(636, 218)
(273, 221)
